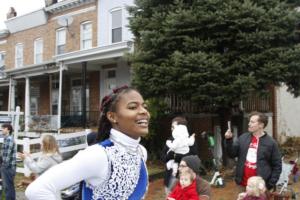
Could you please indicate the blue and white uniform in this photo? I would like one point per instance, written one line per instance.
(114, 169)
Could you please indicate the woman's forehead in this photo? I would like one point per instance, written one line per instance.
(131, 96)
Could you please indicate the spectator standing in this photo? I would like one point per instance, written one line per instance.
(8, 167)
(257, 152)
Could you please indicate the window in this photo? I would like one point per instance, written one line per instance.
(34, 106)
(116, 25)
(38, 51)
(19, 55)
(2, 59)
(110, 80)
(60, 41)
(2, 63)
(34, 99)
(86, 35)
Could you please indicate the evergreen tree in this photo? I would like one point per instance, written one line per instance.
(214, 52)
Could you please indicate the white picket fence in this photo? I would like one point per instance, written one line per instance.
(79, 139)
(26, 142)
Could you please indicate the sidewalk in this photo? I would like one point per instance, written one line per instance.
(20, 195)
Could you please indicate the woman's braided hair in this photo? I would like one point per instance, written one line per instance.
(108, 103)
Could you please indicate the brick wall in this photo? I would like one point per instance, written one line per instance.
(48, 33)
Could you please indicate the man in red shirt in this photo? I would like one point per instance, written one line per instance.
(257, 152)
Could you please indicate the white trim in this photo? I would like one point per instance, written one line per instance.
(2, 53)
(35, 49)
(22, 57)
(110, 23)
(78, 12)
(56, 38)
(109, 51)
(33, 70)
(3, 41)
(82, 33)
(66, 4)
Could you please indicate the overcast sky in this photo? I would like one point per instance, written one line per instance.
(21, 6)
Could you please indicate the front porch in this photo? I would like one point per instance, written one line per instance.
(66, 92)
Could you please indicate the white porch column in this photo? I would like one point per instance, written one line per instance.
(11, 95)
(61, 66)
(27, 104)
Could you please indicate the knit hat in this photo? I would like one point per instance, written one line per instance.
(193, 162)
(180, 131)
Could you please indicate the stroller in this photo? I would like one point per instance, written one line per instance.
(282, 189)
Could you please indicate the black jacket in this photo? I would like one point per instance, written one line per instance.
(269, 162)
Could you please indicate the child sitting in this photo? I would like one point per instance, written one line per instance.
(180, 146)
(186, 188)
(255, 189)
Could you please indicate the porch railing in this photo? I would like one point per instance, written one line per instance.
(68, 143)
(48, 123)
(75, 119)
(176, 103)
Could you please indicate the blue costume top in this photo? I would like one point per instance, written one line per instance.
(127, 177)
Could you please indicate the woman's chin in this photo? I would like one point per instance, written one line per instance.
(144, 133)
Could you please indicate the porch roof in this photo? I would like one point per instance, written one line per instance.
(47, 67)
(98, 53)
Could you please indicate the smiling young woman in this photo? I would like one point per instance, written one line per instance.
(115, 167)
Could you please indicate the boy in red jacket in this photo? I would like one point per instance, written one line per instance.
(186, 188)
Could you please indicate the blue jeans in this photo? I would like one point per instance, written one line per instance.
(8, 175)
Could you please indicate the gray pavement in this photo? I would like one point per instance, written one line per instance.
(20, 195)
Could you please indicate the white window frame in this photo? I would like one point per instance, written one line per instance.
(111, 24)
(110, 83)
(19, 53)
(2, 64)
(58, 44)
(2, 58)
(86, 37)
(38, 50)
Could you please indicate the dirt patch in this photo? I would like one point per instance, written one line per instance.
(229, 192)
